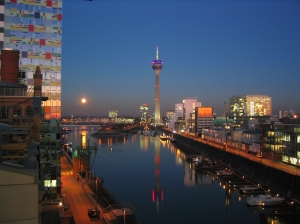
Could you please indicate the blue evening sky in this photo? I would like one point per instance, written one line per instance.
(211, 50)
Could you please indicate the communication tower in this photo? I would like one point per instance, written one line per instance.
(157, 66)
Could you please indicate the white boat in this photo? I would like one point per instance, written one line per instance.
(194, 158)
(164, 137)
(250, 188)
(264, 200)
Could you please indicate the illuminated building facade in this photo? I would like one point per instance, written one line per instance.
(203, 119)
(189, 106)
(250, 105)
(35, 29)
(171, 119)
(113, 114)
(144, 110)
(281, 142)
(179, 110)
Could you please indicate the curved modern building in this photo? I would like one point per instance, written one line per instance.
(157, 66)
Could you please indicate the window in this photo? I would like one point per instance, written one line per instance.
(17, 111)
(22, 74)
(4, 112)
(29, 111)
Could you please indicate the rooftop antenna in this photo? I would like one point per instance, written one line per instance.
(156, 53)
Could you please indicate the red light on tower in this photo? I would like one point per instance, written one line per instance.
(153, 195)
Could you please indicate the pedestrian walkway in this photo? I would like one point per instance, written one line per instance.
(279, 165)
(76, 195)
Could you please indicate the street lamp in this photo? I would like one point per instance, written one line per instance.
(96, 192)
(124, 215)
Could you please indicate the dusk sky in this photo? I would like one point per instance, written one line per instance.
(211, 50)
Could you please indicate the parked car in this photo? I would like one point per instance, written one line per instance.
(94, 213)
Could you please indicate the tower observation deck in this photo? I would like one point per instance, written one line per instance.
(157, 66)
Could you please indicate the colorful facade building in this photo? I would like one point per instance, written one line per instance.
(34, 27)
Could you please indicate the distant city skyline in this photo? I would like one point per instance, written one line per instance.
(211, 50)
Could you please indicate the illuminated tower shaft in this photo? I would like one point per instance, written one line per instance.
(157, 67)
(157, 98)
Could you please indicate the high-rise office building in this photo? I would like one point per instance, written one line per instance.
(250, 105)
(203, 119)
(35, 29)
(189, 106)
(144, 110)
(171, 119)
(179, 112)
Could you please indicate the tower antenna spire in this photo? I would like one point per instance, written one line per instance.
(156, 53)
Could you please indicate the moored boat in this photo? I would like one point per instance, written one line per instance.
(164, 137)
(224, 173)
(66, 129)
(250, 188)
(194, 158)
(264, 200)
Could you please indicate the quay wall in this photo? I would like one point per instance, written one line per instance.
(270, 178)
(104, 198)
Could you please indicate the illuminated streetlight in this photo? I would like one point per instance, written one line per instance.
(96, 192)
(124, 215)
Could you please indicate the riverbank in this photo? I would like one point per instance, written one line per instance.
(256, 170)
(111, 130)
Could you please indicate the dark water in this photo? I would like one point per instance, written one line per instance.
(154, 177)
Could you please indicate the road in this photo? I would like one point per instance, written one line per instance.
(75, 195)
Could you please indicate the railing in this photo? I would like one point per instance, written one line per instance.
(270, 163)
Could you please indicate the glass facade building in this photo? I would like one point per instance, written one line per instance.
(144, 110)
(250, 105)
(34, 27)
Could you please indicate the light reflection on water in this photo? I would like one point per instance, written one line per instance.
(155, 178)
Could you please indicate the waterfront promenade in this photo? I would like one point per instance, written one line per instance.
(76, 195)
(277, 176)
(293, 170)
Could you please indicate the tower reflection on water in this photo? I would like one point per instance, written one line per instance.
(157, 192)
(140, 150)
